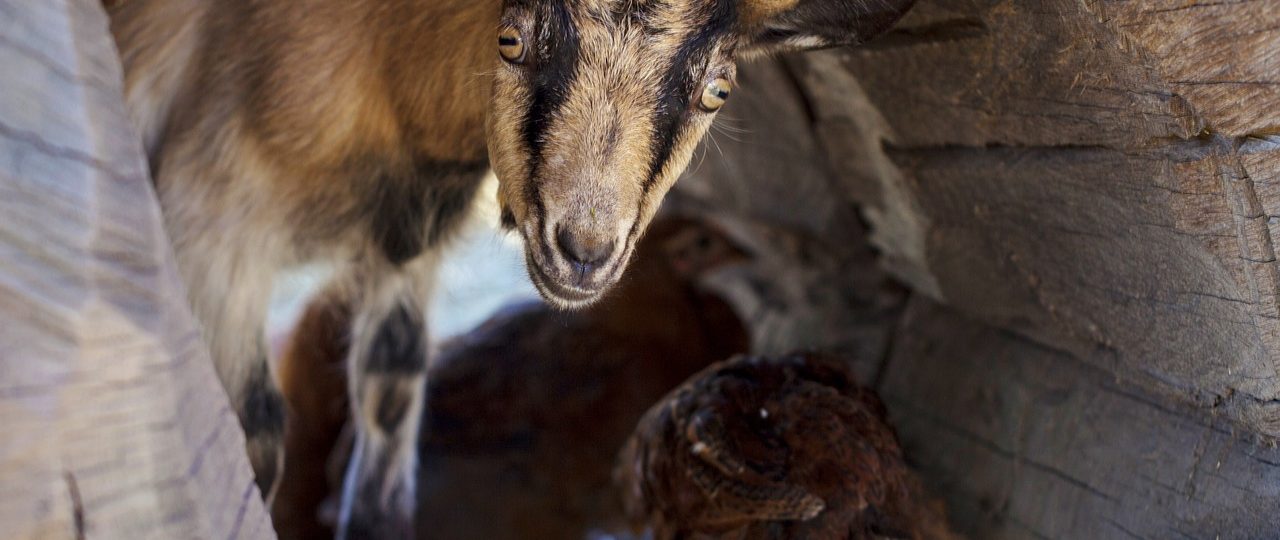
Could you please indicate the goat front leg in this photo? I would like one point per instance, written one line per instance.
(387, 369)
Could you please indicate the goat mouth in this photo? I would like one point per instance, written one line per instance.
(557, 293)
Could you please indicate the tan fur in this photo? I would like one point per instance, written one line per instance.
(313, 87)
(157, 42)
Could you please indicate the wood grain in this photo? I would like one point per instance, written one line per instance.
(1220, 57)
(1026, 442)
(1117, 73)
(115, 425)
(1100, 177)
(1083, 198)
(1136, 258)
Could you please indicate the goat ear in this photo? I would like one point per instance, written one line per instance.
(791, 25)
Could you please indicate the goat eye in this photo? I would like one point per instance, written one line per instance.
(714, 94)
(511, 45)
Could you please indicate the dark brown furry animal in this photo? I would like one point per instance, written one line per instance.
(313, 379)
(355, 132)
(526, 413)
(773, 448)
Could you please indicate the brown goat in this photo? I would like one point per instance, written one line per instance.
(355, 132)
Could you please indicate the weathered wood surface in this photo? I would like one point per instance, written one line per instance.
(1116, 73)
(1100, 176)
(1027, 442)
(114, 425)
(1107, 353)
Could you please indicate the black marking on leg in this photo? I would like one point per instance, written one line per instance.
(266, 455)
(400, 344)
(262, 417)
(450, 197)
(413, 211)
(398, 224)
(262, 407)
(368, 522)
(393, 405)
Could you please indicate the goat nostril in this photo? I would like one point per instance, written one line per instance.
(583, 250)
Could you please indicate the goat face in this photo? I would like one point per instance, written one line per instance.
(598, 105)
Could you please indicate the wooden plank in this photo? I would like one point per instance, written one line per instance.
(1218, 56)
(1157, 262)
(1027, 442)
(115, 425)
(1161, 255)
(976, 73)
(1119, 73)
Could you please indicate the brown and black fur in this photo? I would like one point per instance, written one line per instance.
(282, 132)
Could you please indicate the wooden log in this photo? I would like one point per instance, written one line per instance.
(1098, 176)
(1107, 354)
(114, 423)
(1026, 442)
(1220, 57)
(1116, 73)
(1130, 255)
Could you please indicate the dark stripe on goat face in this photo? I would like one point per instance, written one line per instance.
(550, 70)
(680, 82)
(678, 85)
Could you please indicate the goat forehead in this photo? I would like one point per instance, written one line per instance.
(651, 40)
(657, 19)
(629, 18)
(623, 82)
